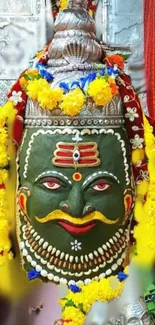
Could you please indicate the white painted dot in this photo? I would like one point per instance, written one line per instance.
(21, 245)
(25, 252)
(29, 258)
(50, 276)
(38, 268)
(44, 273)
(33, 263)
(56, 278)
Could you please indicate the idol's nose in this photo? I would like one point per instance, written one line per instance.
(76, 205)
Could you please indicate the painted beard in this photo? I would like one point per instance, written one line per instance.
(60, 267)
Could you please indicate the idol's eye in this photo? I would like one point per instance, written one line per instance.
(100, 185)
(51, 183)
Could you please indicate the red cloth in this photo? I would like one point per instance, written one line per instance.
(149, 48)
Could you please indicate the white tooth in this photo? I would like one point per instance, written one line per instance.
(57, 270)
(64, 272)
(108, 272)
(31, 250)
(66, 257)
(91, 256)
(35, 234)
(38, 237)
(82, 259)
(43, 261)
(27, 243)
(38, 268)
(33, 263)
(104, 247)
(71, 258)
(21, 245)
(96, 269)
(86, 258)
(115, 256)
(62, 255)
(37, 256)
(25, 252)
(45, 245)
(102, 265)
(29, 258)
(110, 261)
(121, 231)
(32, 231)
(41, 241)
(43, 273)
(78, 275)
(118, 235)
(76, 259)
(87, 272)
(95, 278)
(100, 250)
(23, 228)
(101, 276)
(115, 239)
(111, 241)
(87, 281)
(96, 253)
(63, 281)
(53, 250)
(49, 249)
(119, 261)
(57, 253)
(24, 237)
(50, 276)
(120, 250)
(56, 278)
(114, 267)
(123, 255)
(50, 267)
(108, 244)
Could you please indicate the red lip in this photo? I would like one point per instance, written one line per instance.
(76, 229)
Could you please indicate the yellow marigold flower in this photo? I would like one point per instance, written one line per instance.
(49, 97)
(40, 54)
(100, 91)
(3, 176)
(4, 159)
(3, 136)
(73, 102)
(63, 4)
(35, 86)
(2, 117)
(74, 314)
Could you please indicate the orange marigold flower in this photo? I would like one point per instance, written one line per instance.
(116, 59)
(114, 87)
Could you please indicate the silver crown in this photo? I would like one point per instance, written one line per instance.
(73, 53)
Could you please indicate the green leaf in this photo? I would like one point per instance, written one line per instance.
(69, 303)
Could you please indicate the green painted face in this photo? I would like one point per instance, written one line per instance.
(76, 203)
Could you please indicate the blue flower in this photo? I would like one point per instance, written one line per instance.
(33, 274)
(44, 73)
(102, 72)
(74, 288)
(64, 86)
(122, 276)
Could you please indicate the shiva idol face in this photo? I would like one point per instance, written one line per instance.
(76, 203)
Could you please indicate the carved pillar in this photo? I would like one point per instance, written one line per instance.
(22, 33)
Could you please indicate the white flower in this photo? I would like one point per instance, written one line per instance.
(76, 245)
(16, 97)
(144, 175)
(132, 114)
(137, 142)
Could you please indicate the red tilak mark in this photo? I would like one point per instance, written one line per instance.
(86, 147)
(87, 154)
(71, 162)
(77, 176)
(2, 186)
(64, 154)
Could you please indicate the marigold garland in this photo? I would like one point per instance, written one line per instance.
(7, 112)
(73, 102)
(100, 91)
(144, 232)
(76, 305)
